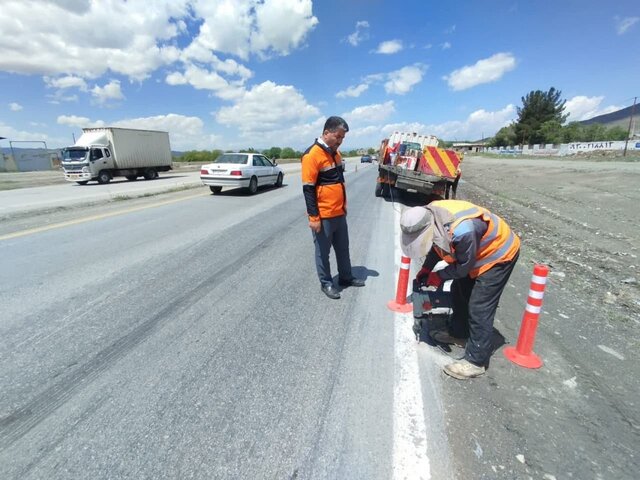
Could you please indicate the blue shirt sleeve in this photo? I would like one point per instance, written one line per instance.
(465, 241)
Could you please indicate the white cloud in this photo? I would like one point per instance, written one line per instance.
(583, 108)
(15, 107)
(389, 47)
(14, 134)
(477, 125)
(354, 91)
(483, 71)
(133, 48)
(267, 107)
(243, 27)
(111, 91)
(73, 121)
(402, 81)
(624, 24)
(146, 40)
(202, 79)
(68, 81)
(361, 34)
(446, 46)
(371, 113)
(185, 133)
(282, 25)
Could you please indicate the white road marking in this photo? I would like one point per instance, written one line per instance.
(611, 351)
(410, 459)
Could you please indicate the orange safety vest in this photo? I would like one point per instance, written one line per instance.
(498, 244)
(323, 183)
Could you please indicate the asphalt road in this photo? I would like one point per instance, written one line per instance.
(191, 340)
(184, 335)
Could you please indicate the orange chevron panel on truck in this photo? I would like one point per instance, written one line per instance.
(439, 162)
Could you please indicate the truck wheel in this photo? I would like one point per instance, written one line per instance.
(215, 190)
(150, 174)
(253, 185)
(83, 182)
(379, 189)
(104, 177)
(132, 178)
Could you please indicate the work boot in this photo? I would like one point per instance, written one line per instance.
(443, 336)
(330, 291)
(463, 370)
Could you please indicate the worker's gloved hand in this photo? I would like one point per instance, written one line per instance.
(422, 275)
(434, 280)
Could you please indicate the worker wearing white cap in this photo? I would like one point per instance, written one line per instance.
(481, 251)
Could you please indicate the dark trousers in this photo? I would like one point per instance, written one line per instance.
(475, 301)
(334, 233)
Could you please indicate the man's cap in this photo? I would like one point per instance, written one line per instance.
(416, 224)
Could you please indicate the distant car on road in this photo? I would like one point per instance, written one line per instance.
(245, 170)
(366, 159)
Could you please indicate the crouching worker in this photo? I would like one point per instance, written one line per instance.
(481, 251)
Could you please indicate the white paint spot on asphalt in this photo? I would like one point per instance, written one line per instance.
(548, 476)
(410, 459)
(563, 315)
(571, 383)
(520, 458)
(611, 351)
(478, 450)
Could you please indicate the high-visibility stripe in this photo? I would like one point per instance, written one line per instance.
(453, 159)
(532, 309)
(536, 295)
(539, 280)
(440, 165)
(464, 213)
(497, 254)
(441, 162)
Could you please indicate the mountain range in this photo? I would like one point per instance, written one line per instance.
(618, 118)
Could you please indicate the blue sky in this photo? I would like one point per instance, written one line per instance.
(231, 74)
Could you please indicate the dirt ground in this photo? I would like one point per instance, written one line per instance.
(577, 416)
(580, 217)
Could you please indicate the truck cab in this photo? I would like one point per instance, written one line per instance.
(81, 164)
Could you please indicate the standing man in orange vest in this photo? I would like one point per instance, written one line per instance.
(326, 199)
(481, 251)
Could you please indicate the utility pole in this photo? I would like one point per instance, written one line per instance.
(633, 109)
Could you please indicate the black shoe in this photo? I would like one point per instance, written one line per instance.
(443, 336)
(354, 282)
(330, 292)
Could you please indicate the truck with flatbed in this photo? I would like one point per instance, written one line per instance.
(412, 162)
(106, 152)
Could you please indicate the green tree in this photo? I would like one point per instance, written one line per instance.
(616, 133)
(199, 156)
(505, 137)
(288, 152)
(537, 108)
(594, 132)
(572, 132)
(273, 152)
(551, 132)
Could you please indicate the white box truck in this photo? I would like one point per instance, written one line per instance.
(103, 153)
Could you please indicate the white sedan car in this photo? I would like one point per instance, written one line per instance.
(246, 170)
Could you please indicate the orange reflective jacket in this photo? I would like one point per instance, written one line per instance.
(498, 244)
(323, 182)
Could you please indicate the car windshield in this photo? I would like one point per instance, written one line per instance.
(237, 158)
